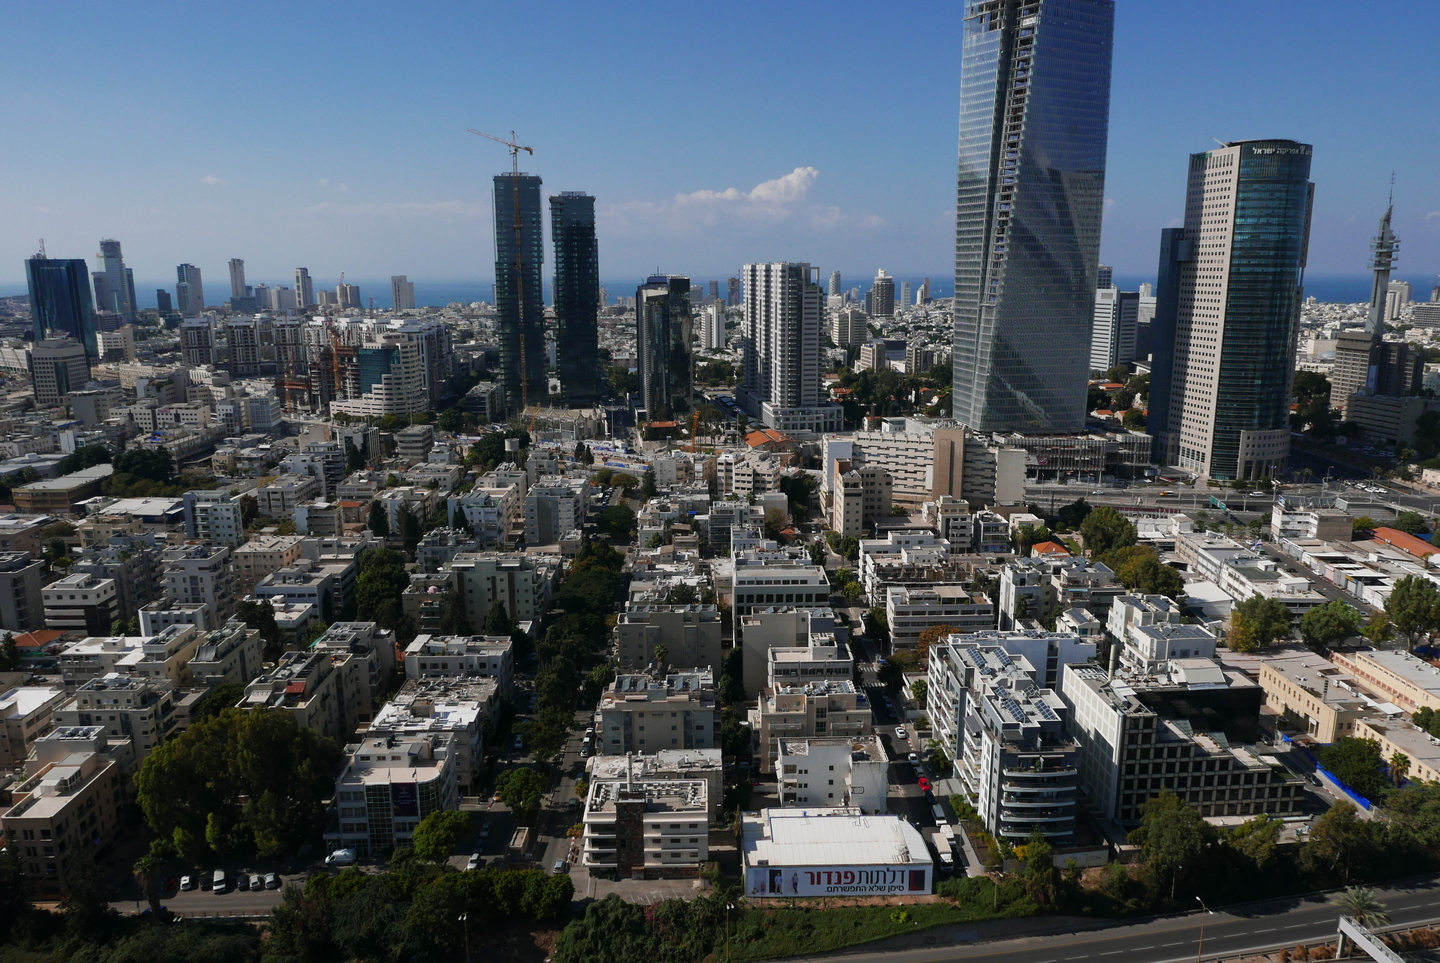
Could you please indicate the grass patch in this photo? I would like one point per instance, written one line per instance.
(798, 931)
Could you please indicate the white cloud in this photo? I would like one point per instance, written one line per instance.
(212, 181)
(780, 200)
(1433, 216)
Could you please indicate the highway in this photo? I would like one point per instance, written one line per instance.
(1234, 931)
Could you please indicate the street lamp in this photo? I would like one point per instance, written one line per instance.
(465, 918)
(1200, 950)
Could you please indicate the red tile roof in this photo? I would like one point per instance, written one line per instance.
(37, 639)
(1048, 548)
(1407, 543)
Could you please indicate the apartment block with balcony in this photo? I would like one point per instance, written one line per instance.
(644, 713)
(201, 573)
(260, 556)
(26, 713)
(22, 604)
(822, 659)
(389, 784)
(910, 610)
(651, 828)
(671, 764)
(454, 713)
(231, 653)
(306, 685)
(148, 712)
(81, 603)
(811, 710)
(833, 771)
(462, 656)
(691, 636)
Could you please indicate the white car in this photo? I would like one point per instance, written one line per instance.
(187, 883)
(473, 862)
(341, 857)
(900, 733)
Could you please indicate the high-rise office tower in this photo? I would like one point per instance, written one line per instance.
(1228, 309)
(780, 347)
(577, 297)
(1360, 355)
(663, 332)
(402, 292)
(189, 291)
(1104, 277)
(923, 295)
(1034, 116)
(163, 305)
(1397, 299)
(835, 284)
(348, 296)
(60, 302)
(732, 291)
(712, 327)
(906, 294)
(58, 366)
(237, 278)
(114, 283)
(304, 290)
(1112, 338)
(519, 297)
(714, 290)
(882, 296)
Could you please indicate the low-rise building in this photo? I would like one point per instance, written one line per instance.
(80, 603)
(910, 610)
(815, 709)
(285, 493)
(389, 784)
(145, 711)
(651, 828)
(61, 495)
(462, 656)
(832, 852)
(159, 616)
(833, 772)
(370, 666)
(69, 802)
(26, 714)
(822, 659)
(263, 555)
(1312, 696)
(306, 685)
(452, 712)
(231, 653)
(523, 583)
(1416, 745)
(1393, 676)
(690, 634)
(303, 583)
(672, 764)
(642, 713)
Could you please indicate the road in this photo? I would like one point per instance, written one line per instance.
(1246, 929)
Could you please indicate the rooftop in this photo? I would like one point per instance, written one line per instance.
(660, 795)
(829, 837)
(23, 700)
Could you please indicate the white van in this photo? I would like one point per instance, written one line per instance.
(219, 885)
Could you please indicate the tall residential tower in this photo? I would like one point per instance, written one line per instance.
(1034, 117)
(519, 297)
(780, 343)
(664, 356)
(189, 291)
(577, 297)
(114, 282)
(1228, 309)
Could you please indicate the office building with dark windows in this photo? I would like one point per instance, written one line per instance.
(663, 327)
(114, 282)
(519, 295)
(577, 297)
(1034, 117)
(60, 301)
(1228, 310)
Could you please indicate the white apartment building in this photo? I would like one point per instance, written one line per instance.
(458, 656)
(555, 507)
(214, 516)
(25, 715)
(642, 713)
(833, 772)
(780, 337)
(389, 784)
(453, 712)
(523, 583)
(778, 583)
(910, 610)
(833, 708)
(195, 574)
(231, 653)
(822, 659)
(146, 711)
(651, 827)
(81, 603)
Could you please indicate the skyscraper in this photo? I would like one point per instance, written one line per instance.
(923, 295)
(780, 346)
(60, 301)
(58, 366)
(1227, 311)
(1034, 116)
(1104, 277)
(714, 290)
(906, 295)
(1359, 355)
(1112, 339)
(882, 296)
(1397, 299)
(163, 305)
(835, 284)
(114, 284)
(732, 291)
(189, 291)
(347, 296)
(402, 292)
(304, 289)
(237, 278)
(577, 297)
(519, 297)
(663, 330)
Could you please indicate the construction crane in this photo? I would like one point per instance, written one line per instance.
(515, 149)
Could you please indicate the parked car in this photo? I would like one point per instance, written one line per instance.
(519, 743)
(900, 733)
(187, 883)
(559, 866)
(219, 882)
(341, 857)
(257, 882)
(242, 882)
(924, 784)
(473, 862)
(914, 759)
(272, 881)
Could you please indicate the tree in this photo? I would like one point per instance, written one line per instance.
(378, 521)
(410, 532)
(1356, 763)
(354, 459)
(1042, 877)
(260, 614)
(147, 873)
(263, 776)
(1073, 515)
(452, 420)
(1362, 905)
(617, 521)
(732, 676)
(1329, 625)
(86, 456)
(1377, 628)
(625, 482)
(1411, 523)
(1256, 622)
(9, 653)
(930, 636)
(439, 834)
(521, 789)
(497, 620)
(14, 893)
(852, 592)
(1339, 839)
(1141, 570)
(1171, 837)
(647, 485)
(452, 614)
(1255, 839)
(153, 464)
(1362, 526)
(920, 691)
(219, 698)
(1414, 608)
(1399, 768)
(1134, 419)
(682, 594)
(1105, 529)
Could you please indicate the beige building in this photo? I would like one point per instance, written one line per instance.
(651, 828)
(1313, 695)
(858, 496)
(26, 714)
(691, 635)
(69, 802)
(260, 556)
(1391, 676)
(813, 710)
(146, 711)
(642, 713)
(910, 610)
(306, 685)
(231, 653)
(163, 656)
(1402, 737)
(281, 497)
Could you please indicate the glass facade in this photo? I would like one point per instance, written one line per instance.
(577, 297)
(1262, 306)
(663, 327)
(519, 296)
(1034, 118)
(60, 301)
(375, 364)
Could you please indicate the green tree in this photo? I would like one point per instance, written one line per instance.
(410, 531)
(86, 456)
(1411, 523)
(147, 873)
(9, 653)
(264, 778)
(1377, 628)
(439, 834)
(14, 892)
(260, 614)
(1171, 836)
(1329, 625)
(1073, 515)
(1042, 876)
(618, 521)
(1414, 608)
(354, 459)
(647, 485)
(451, 420)
(732, 676)
(153, 464)
(378, 521)
(625, 482)
(1256, 622)
(1399, 768)
(219, 698)
(497, 620)
(1340, 842)
(1362, 905)
(1356, 763)
(1146, 574)
(521, 789)
(452, 614)
(1255, 839)
(1105, 529)
(1362, 526)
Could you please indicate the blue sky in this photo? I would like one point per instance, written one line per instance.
(333, 135)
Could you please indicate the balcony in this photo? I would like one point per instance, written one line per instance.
(1031, 773)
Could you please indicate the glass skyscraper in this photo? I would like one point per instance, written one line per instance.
(663, 328)
(1034, 116)
(1227, 310)
(577, 297)
(519, 296)
(60, 301)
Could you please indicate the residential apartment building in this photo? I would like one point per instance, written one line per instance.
(145, 711)
(690, 636)
(653, 828)
(833, 772)
(772, 583)
(555, 507)
(453, 713)
(389, 784)
(832, 708)
(201, 574)
(22, 604)
(80, 603)
(262, 555)
(231, 653)
(26, 714)
(523, 583)
(307, 686)
(642, 713)
(462, 656)
(214, 516)
(910, 610)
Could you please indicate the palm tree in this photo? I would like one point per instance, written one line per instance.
(1360, 904)
(147, 874)
(1399, 768)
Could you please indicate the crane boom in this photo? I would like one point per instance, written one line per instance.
(515, 148)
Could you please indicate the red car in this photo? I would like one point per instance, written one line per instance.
(924, 785)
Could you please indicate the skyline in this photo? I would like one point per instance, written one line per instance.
(760, 178)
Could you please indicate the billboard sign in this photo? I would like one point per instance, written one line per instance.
(836, 880)
(404, 801)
